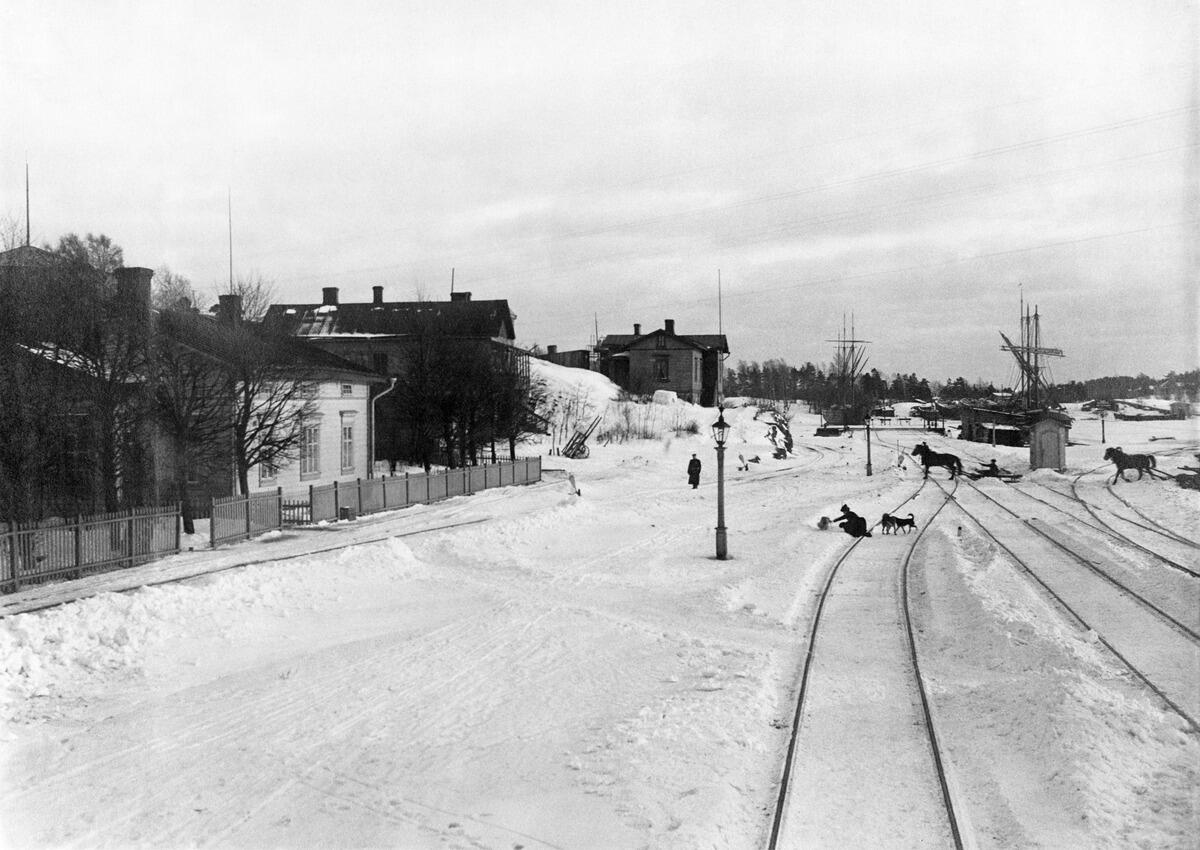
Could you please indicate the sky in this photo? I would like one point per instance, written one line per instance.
(772, 171)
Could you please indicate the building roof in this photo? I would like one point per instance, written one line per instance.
(621, 342)
(484, 319)
(223, 341)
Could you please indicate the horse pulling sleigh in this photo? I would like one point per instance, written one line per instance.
(1142, 463)
(930, 458)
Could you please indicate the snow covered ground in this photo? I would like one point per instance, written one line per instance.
(531, 668)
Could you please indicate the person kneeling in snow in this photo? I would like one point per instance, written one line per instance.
(852, 523)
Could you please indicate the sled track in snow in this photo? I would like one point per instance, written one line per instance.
(794, 737)
(1103, 526)
(1023, 564)
(1191, 633)
(1157, 526)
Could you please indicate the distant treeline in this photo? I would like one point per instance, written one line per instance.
(819, 385)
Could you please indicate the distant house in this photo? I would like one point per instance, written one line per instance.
(396, 340)
(690, 365)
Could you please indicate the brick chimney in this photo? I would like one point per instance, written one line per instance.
(460, 296)
(329, 296)
(229, 309)
(551, 350)
(669, 326)
(637, 329)
(133, 289)
(377, 292)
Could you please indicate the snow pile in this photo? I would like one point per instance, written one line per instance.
(105, 637)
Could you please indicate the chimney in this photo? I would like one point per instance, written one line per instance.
(229, 310)
(637, 329)
(551, 350)
(377, 291)
(329, 296)
(669, 326)
(460, 296)
(133, 289)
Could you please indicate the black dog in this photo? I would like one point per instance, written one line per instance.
(897, 522)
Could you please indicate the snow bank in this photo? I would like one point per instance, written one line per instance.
(105, 637)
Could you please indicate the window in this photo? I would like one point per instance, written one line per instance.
(380, 362)
(661, 342)
(347, 389)
(267, 472)
(310, 451)
(662, 369)
(347, 446)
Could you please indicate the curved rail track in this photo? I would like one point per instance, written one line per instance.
(1099, 524)
(780, 836)
(1150, 641)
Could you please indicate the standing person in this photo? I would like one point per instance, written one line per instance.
(694, 472)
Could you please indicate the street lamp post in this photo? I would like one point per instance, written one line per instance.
(720, 430)
(868, 443)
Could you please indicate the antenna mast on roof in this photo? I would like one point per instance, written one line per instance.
(720, 325)
(452, 283)
(229, 191)
(26, 202)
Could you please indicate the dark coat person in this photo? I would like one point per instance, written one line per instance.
(852, 523)
(694, 472)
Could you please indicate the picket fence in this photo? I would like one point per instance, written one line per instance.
(56, 549)
(242, 517)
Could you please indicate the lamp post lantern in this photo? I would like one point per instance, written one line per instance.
(720, 430)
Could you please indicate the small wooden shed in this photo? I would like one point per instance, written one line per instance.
(1048, 441)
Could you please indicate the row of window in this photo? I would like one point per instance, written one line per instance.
(310, 451)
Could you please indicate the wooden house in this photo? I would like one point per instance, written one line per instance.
(692, 366)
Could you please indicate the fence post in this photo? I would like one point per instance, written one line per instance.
(178, 524)
(337, 506)
(212, 524)
(406, 501)
(358, 490)
(279, 506)
(467, 480)
(311, 512)
(78, 541)
(129, 534)
(12, 551)
(246, 498)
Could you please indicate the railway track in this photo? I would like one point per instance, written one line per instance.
(862, 621)
(1148, 641)
(1181, 557)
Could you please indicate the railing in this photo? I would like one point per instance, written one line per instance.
(242, 517)
(371, 495)
(67, 549)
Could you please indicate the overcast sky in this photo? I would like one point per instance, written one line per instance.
(915, 165)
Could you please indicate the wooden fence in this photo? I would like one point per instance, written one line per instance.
(32, 553)
(370, 495)
(242, 517)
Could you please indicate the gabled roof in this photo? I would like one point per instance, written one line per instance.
(483, 319)
(225, 342)
(27, 255)
(705, 342)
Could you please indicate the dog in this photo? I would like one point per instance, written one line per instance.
(897, 522)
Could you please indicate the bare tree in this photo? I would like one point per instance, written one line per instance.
(269, 404)
(12, 234)
(191, 404)
(171, 288)
(257, 293)
(97, 251)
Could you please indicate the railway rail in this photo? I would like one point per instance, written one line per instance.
(784, 831)
(1155, 654)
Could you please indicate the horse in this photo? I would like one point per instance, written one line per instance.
(1142, 463)
(931, 458)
